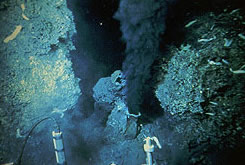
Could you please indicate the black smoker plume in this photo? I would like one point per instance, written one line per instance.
(142, 24)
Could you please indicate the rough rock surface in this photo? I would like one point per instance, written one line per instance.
(121, 128)
(202, 90)
(181, 89)
(36, 78)
(107, 89)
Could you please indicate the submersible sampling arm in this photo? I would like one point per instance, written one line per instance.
(57, 141)
(59, 148)
(149, 148)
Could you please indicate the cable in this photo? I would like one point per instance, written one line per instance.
(30, 132)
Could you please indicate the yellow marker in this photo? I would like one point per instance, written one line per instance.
(13, 35)
(23, 6)
(25, 17)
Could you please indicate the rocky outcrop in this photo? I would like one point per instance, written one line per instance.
(181, 90)
(36, 77)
